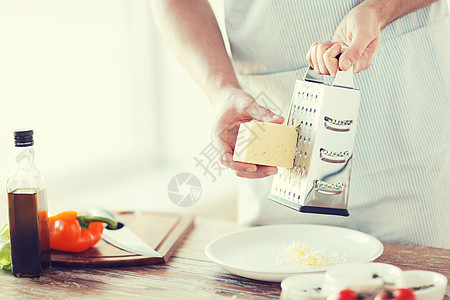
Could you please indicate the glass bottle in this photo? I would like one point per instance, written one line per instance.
(28, 217)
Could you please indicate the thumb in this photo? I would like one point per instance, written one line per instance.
(354, 52)
(262, 114)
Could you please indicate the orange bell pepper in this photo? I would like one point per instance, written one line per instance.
(73, 233)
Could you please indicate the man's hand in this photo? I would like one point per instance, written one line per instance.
(235, 108)
(357, 37)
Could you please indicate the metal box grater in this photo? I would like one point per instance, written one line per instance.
(325, 117)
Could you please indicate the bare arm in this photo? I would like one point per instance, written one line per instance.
(390, 10)
(191, 30)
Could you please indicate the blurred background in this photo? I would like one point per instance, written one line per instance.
(115, 115)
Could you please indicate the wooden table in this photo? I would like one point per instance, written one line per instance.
(188, 275)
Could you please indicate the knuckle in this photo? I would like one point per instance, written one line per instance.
(354, 53)
(242, 107)
(329, 55)
(240, 174)
(262, 110)
(322, 48)
(225, 160)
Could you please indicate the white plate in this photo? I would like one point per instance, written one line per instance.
(252, 252)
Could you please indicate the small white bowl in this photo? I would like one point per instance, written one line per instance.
(306, 286)
(417, 278)
(360, 277)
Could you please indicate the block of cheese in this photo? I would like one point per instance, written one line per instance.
(266, 144)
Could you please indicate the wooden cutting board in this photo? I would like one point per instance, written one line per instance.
(162, 231)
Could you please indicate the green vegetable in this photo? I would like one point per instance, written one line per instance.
(5, 247)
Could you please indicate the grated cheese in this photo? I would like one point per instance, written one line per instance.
(297, 254)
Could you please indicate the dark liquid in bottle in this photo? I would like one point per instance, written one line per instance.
(30, 244)
(46, 259)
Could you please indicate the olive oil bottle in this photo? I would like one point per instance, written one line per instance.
(28, 218)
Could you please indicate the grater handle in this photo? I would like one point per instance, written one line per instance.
(344, 78)
(313, 76)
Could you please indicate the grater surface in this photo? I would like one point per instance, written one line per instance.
(325, 118)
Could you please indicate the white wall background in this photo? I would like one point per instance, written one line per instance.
(115, 114)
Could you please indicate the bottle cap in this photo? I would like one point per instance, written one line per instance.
(23, 138)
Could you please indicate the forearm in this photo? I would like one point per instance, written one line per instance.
(191, 30)
(389, 10)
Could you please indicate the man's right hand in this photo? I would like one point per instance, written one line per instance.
(191, 29)
(233, 109)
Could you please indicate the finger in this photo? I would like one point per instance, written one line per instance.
(330, 60)
(222, 144)
(226, 157)
(308, 56)
(367, 57)
(242, 167)
(321, 49)
(355, 50)
(314, 57)
(247, 170)
(263, 114)
(262, 171)
(226, 153)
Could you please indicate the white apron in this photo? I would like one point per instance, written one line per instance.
(401, 169)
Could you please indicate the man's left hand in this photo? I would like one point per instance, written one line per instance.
(357, 37)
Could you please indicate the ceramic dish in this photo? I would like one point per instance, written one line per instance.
(427, 285)
(306, 286)
(252, 252)
(360, 277)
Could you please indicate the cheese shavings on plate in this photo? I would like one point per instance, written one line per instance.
(300, 256)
